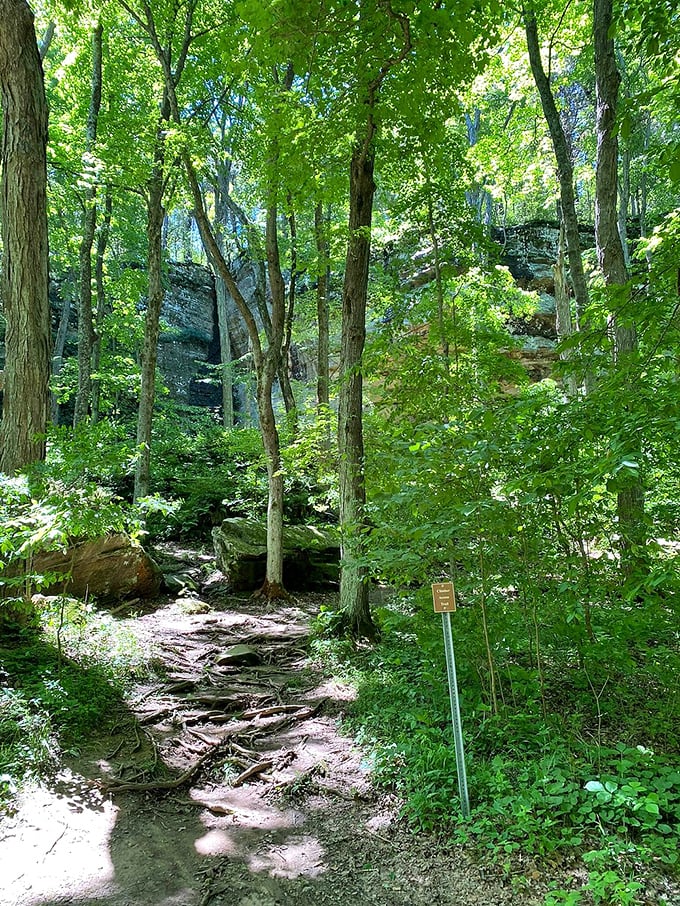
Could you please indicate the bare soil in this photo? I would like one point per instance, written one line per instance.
(231, 783)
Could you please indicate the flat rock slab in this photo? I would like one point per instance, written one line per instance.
(238, 655)
(311, 555)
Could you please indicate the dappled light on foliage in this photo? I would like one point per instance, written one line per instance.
(398, 276)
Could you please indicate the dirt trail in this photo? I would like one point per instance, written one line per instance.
(277, 807)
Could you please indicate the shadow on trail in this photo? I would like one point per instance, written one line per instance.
(280, 812)
(70, 842)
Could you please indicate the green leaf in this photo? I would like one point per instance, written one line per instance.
(594, 786)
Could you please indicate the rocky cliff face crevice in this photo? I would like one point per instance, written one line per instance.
(189, 342)
(530, 252)
(189, 347)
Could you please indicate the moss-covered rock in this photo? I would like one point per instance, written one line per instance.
(311, 555)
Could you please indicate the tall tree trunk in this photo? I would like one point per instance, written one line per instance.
(25, 276)
(269, 367)
(221, 193)
(102, 243)
(273, 583)
(438, 281)
(226, 373)
(612, 261)
(155, 217)
(478, 198)
(563, 321)
(565, 169)
(353, 579)
(47, 38)
(266, 362)
(354, 604)
(284, 367)
(86, 335)
(322, 307)
(59, 347)
(624, 205)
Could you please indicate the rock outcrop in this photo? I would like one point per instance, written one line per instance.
(311, 554)
(530, 251)
(189, 342)
(105, 569)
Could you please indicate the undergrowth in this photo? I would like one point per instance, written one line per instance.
(59, 682)
(564, 770)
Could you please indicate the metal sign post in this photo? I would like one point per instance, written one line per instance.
(445, 604)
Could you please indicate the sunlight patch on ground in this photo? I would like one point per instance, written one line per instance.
(59, 832)
(297, 857)
(244, 828)
(334, 689)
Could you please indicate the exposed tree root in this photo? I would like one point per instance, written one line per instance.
(153, 785)
(300, 713)
(253, 771)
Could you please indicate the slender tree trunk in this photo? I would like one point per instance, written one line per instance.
(353, 579)
(642, 209)
(563, 321)
(58, 351)
(227, 377)
(624, 205)
(284, 368)
(612, 261)
(221, 193)
(273, 583)
(102, 243)
(155, 217)
(86, 335)
(47, 38)
(565, 169)
(354, 604)
(269, 367)
(438, 282)
(478, 198)
(322, 308)
(266, 365)
(25, 276)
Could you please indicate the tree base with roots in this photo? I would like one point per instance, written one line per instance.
(271, 591)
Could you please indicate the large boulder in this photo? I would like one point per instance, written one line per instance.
(311, 555)
(108, 569)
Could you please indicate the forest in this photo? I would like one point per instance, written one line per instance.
(408, 274)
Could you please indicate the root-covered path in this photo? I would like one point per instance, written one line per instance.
(228, 781)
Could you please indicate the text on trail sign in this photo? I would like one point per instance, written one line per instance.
(444, 597)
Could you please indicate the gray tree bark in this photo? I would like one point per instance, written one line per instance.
(565, 168)
(284, 367)
(221, 193)
(102, 243)
(353, 578)
(563, 321)
(612, 261)
(147, 393)
(86, 334)
(59, 347)
(322, 307)
(25, 276)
